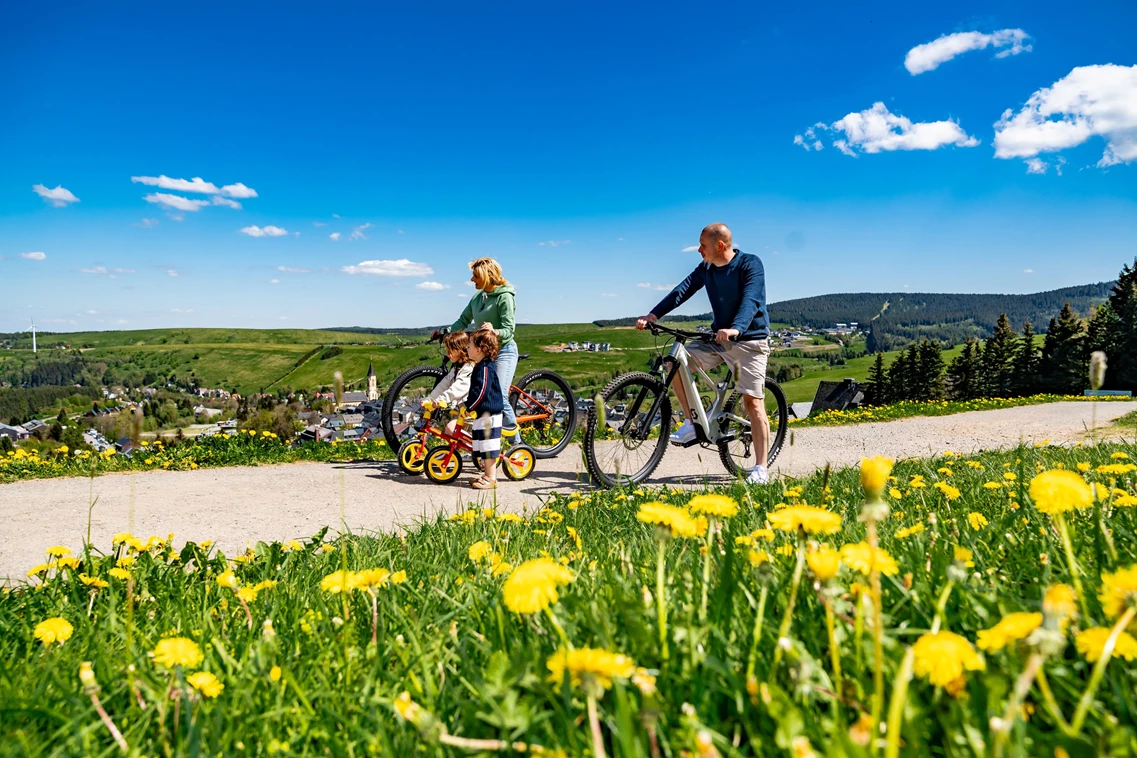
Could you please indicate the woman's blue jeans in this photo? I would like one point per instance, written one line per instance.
(506, 368)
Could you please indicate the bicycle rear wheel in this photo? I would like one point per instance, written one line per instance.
(624, 440)
(546, 412)
(737, 453)
(402, 410)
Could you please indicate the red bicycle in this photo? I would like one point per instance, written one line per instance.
(443, 462)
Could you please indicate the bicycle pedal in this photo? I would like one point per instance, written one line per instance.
(690, 443)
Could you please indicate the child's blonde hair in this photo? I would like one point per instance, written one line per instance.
(485, 339)
(490, 271)
(457, 342)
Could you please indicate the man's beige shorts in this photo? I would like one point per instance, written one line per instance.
(746, 359)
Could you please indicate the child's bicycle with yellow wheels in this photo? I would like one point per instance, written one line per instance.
(442, 461)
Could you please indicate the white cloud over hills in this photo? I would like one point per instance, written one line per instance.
(930, 55)
(876, 130)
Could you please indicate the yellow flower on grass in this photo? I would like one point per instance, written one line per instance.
(228, 580)
(992, 485)
(676, 519)
(943, 657)
(53, 630)
(119, 573)
(511, 518)
(977, 520)
(248, 594)
(1116, 469)
(58, 551)
(895, 493)
(824, 562)
(949, 492)
(291, 546)
(479, 550)
(205, 683)
(1084, 466)
(598, 666)
(1012, 627)
(785, 550)
(861, 557)
(874, 474)
(1091, 644)
(67, 562)
(532, 587)
(1119, 456)
(1060, 600)
(94, 581)
(766, 534)
(274, 673)
(504, 567)
(962, 555)
(1125, 500)
(713, 505)
(1058, 491)
(908, 531)
(408, 709)
(758, 557)
(43, 568)
(1010, 476)
(337, 582)
(177, 651)
(369, 578)
(1118, 591)
(807, 517)
(917, 482)
(87, 675)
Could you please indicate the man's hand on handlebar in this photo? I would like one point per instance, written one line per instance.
(725, 335)
(643, 321)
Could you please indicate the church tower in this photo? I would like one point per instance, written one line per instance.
(372, 387)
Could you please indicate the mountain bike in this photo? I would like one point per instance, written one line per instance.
(542, 401)
(627, 434)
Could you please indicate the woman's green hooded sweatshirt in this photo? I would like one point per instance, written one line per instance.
(497, 307)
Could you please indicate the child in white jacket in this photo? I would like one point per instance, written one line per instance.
(455, 386)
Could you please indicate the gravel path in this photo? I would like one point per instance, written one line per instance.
(234, 506)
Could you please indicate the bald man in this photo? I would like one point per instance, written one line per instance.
(736, 285)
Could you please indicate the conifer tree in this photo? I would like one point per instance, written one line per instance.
(898, 388)
(1024, 375)
(1062, 368)
(964, 373)
(1102, 333)
(929, 373)
(878, 381)
(1122, 343)
(998, 359)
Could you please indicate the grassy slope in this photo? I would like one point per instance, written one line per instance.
(803, 389)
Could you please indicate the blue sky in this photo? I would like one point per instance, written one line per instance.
(583, 145)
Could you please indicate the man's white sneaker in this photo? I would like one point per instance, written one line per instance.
(758, 475)
(684, 434)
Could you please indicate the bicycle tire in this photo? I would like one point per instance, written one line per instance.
(530, 435)
(773, 390)
(392, 395)
(592, 459)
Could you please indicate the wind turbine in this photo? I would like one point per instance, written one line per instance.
(34, 351)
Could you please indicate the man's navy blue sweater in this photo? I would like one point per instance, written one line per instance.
(485, 390)
(737, 292)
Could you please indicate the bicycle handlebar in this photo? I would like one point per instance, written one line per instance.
(656, 328)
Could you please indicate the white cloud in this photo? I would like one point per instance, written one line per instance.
(555, 243)
(227, 202)
(401, 267)
(171, 272)
(94, 270)
(930, 55)
(690, 249)
(876, 130)
(1028, 270)
(34, 256)
(357, 232)
(1090, 101)
(176, 202)
(334, 236)
(274, 281)
(607, 294)
(197, 184)
(122, 321)
(58, 197)
(147, 223)
(318, 223)
(1036, 166)
(809, 140)
(268, 231)
(290, 270)
(124, 271)
(335, 215)
(92, 313)
(660, 287)
(433, 286)
(238, 190)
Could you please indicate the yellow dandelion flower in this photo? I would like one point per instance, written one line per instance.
(1010, 476)
(67, 562)
(874, 474)
(532, 587)
(784, 550)
(1091, 644)
(58, 551)
(205, 683)
(917, 482)
(1119, 456)
(1058, 491)
(398, 577)
(1084, 466)
(370, 578)
(119, 573)
(992, 485)
(1118, 591)
(644, 681)
(87, 675)
(248, 594)
(42, 568)
(895, 494)
(962, 555)
(713, 505)
(1060, 600)
(121, 538)
(291, 546)
(949, 492)
(1125, 500)
(597, 666)
(337, 582)
(806, 517)
(1116, 469)
(908, 531)
(228, 580)
(1012, 627)
(408, 709)
(53, 630)
(504, 567)
(942, 658)
(824, 562)
(977, 520)
(177, 651)
(766, 534)
(274, 673)
(676, 519)
(94, 581)
(479, 550)
(861, 557)
(511, 518)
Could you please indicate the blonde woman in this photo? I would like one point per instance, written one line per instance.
(493, 304)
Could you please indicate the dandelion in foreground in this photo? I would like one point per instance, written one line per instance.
(1059, 490)
(943, 657)
(589, 665)
(1060, 600)
(479, 550)
(824, 562)
(1119, 591)
(874, 475)
(719, 506)
(977, 520)
(808, 518)
(864, 558)
(532, 587)
(1091, 644)
(1011, 628)
(205, 683)
(677, 521)
(177, 651)
(53, 630)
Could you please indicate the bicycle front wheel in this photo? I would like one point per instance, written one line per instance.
(737, 450)
(628, 429)
(546, 412)
(402, 405)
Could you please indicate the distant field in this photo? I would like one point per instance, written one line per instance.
(803, 389)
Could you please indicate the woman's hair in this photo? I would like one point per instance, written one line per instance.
(457, 342)
(486, 341)
(490, 270)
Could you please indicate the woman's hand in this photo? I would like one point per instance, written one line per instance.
(488, 325)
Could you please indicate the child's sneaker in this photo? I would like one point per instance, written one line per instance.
(758, 475)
